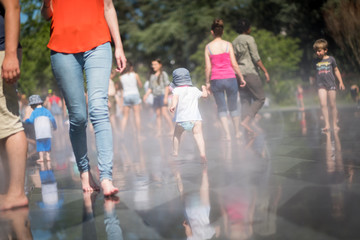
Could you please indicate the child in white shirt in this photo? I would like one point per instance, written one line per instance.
(185, 106)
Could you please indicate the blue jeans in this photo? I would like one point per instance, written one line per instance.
(229, 86)
(68, 70)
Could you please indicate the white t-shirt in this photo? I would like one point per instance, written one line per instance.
(187, 108)
(129, 84)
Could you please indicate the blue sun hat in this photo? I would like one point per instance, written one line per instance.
(35, 99)
(181, 77)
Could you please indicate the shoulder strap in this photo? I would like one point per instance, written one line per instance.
(209, 49)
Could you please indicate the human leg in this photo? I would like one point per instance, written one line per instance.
(256, 89)
(165, 114)
(137, 118)
(97, 66)
(124, 120)
(232, 94)
(199, 139)
(324, 108)
(218, 89)
(68, 71)
(176, 139)
(334, 112)
(15, 147)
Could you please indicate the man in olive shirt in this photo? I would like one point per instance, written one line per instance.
(252, 96)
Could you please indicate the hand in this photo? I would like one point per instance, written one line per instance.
(267, 77)
(10, 69)
(172, 109)
(341, 86)
(208, 87)
(242, 83)
(120, 60)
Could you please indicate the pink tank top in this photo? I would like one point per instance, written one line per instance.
(221, 66)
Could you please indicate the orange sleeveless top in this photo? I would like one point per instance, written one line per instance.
(78, 26)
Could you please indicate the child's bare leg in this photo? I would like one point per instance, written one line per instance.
(41, 157)
(199, 138)
(225, 125)
(334, 112)
(158, 122)
(47, 154)
(137, 118)
(88, 183)
(164, 112)
(324, 109)
(176, 139)
(125, 118)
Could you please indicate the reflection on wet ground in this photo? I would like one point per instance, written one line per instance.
(289, 182)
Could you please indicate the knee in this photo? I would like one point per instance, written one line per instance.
(78, 120)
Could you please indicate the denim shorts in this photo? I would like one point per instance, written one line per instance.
(131, 100)
(158, 101)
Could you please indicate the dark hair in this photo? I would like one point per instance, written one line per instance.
(160, 75)
(217, 27)
(129, 67)
(243, 26)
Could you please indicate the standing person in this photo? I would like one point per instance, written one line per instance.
(326, 70)
(185, 106)
(131, 83)
(42, 120)
(159, 87)
(252, 96)
(220, 69)
(13, 145)
(81, 33)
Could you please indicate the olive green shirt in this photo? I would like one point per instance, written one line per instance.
(246, 54)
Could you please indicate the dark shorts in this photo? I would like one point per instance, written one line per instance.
(158, 102)
(326, 86)
(43, 145)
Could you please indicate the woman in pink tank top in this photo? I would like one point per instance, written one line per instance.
(220, 69)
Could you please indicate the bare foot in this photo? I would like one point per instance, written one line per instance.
(203, 159)
(248, 128)
(10, 202)
(336, 128)
(108, 188)
(325, 129)
(88, 183)
(40, 160)
(238, 135)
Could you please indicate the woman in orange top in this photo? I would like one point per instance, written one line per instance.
(81, 33)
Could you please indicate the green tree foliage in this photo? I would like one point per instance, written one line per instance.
(36, 75)
(342, 18)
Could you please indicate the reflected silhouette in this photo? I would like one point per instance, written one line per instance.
(111, 220)
(88, 221)
(334, 161)
(15, 224)
(197, 210)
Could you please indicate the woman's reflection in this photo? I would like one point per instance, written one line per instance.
(111, 220)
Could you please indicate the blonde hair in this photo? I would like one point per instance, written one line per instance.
(320, 44)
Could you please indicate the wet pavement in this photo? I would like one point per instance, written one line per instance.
(289, 182)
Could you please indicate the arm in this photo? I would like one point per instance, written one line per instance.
(235, 66)
(47, 10)
(111, 19)
(174, 103)
(338, 76)
(207, 68)
(139, 83)
(204, 91)
(166, 94)
(262, 67)
(147, 94)
(11, 66)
